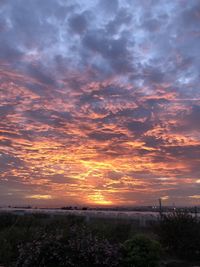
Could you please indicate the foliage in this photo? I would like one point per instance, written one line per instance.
(10, 238)
(141, 251)
(7, 220)
(16, 230)
(179, 232)
(80, 249)
(116, 231)
(60, 240)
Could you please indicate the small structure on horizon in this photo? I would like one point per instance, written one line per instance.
(160, 206)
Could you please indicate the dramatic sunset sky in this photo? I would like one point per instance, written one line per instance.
(99, 102)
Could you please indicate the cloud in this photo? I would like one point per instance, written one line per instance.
(78, 23)
(138, 128)
(103, 136)
(193, 117)
(99, 101)
(110, 7)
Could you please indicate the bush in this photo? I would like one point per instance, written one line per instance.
(45, 252)
(9, 240)
(116, 231)
(7, 220)
(179, 232)
(80, 249)
(141, 251)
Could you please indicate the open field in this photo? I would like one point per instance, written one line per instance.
(140, 217)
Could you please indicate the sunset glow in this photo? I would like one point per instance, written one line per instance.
(99, 103)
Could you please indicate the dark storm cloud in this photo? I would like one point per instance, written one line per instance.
(6, 109)
(190, 16)
(40, 75)
(136, 113)
(61, 179)
(153, 141)
(138, 128)
(103, 136)
(193, 117)
(78, 23)
(114, 175)
(40, 90)
(7, 143)
(152, 25)
(155, 102)
(188, 121)
(49, 117)
(8, 162)
(9, 53)
(154, 75)
(123, 17)
(24, 27)
(183, 152)
(107, 93)
(115, 51)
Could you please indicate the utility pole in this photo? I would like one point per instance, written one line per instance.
(160, 206)
(195, 213)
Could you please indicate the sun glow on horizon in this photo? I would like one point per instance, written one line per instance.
(98, 199)
(39, 197)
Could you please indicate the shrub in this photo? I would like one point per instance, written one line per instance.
(141, 251)
(80, 249)
(9, 240)
(179, 232)
(45, 252)
(7, 220)
(116, 231)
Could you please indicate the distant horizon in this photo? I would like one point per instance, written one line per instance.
(97, 207)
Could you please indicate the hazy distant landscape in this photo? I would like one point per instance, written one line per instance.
(142, 214)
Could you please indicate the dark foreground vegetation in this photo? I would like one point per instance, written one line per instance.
(39, 240)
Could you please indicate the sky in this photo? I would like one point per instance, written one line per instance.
(99, 102)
